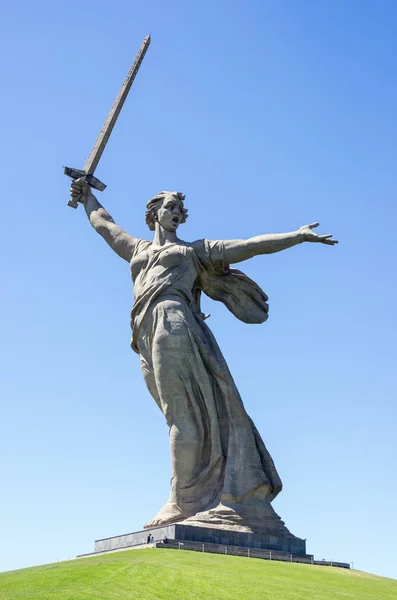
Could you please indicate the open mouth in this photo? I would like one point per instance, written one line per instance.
(175, 219)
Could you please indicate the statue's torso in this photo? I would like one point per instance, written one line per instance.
(174, 264)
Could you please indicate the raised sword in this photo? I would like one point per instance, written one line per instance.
(92, 161)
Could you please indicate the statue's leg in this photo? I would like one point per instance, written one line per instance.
(171, 376)
(184, 390)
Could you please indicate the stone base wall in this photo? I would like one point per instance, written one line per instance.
(181, 532)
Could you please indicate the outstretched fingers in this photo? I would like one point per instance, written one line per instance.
(310, 236)
(326, 239)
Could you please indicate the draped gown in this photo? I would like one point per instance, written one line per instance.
(217, 453)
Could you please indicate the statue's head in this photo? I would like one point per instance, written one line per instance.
(167, 209)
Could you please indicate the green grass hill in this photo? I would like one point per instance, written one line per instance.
(156, 574)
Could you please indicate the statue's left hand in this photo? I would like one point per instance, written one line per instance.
(310, 236)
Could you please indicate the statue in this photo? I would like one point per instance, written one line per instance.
(222, 473)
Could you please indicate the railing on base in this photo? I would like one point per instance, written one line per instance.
(248, 552)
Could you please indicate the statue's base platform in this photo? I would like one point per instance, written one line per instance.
(181, 532)
(209, 539)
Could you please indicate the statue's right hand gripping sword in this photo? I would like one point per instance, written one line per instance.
(92, 161)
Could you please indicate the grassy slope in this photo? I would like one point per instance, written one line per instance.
(170, 574)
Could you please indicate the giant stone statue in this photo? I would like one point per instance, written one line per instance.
(222, 474)
(223, 477)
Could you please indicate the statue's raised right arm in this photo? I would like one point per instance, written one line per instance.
(119, 240)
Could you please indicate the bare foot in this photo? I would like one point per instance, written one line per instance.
(170, 513)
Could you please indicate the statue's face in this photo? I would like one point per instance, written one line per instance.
(170, 213)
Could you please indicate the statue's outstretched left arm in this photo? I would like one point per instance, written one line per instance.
(238, 250)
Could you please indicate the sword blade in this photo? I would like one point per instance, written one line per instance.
(107, 128)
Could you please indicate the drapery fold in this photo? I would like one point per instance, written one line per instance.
(218, 452)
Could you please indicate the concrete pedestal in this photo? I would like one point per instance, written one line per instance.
(182, 532)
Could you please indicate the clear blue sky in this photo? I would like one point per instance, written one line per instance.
(268, 115)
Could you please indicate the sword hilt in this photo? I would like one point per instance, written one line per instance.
(90, 179)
